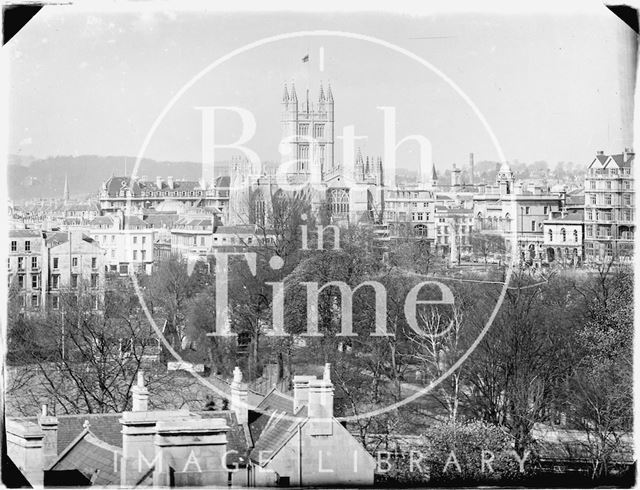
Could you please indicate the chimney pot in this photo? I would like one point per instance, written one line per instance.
(239, 399)
(49, 426)
(140, 395)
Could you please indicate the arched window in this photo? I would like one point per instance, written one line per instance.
(339, 200)
(563, 232)
(420, 230)
(575, 236)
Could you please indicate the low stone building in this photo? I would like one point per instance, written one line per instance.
(267, 441)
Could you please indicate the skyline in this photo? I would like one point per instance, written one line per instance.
(537, 109)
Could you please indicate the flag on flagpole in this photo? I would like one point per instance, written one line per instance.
(306, 58)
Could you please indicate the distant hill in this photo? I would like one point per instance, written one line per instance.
(30, 178)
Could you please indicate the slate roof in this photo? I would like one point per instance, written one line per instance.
(56, 238)
(80, 207)
(205, 221)
(159, 220)
(25, 233)
(114, 184)
(274, 402)
(105, 426)
(279, 431)
(621, 162)
(134, 221)
(101, 220)
(238, 438)
(577, 215)
(235, 230)
(223, 182)
(92, 457)
(280, 427)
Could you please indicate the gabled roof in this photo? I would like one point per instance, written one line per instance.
(619, 160)
(105, 426)
(92, 457)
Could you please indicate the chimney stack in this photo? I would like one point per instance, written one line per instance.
(321, 404)
(301, 391)
(24, 447)
(49, 426)
(159, 182)
(170, 182)
(239, 397)
(599, 152)
(140, 395)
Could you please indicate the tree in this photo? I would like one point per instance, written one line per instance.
(600, 393)
(86, 360)
(169, 291)
(515, 371)
(487, 244)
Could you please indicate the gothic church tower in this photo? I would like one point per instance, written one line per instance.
(308, 133)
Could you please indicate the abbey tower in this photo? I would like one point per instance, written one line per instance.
(308, 131)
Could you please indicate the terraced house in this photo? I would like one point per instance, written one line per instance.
(609, 207)
(44, 266)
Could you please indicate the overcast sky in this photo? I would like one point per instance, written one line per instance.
(549, 85)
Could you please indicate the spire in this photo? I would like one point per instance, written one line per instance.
(434, 175)
(321, 98)
(65, 193)
(329, 94)
(285, 95)
(293, 97)
(359, 160)
(307, 108)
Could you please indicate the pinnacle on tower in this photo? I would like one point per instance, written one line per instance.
(321, 98)
(359, 156)
(293, 97)
(285, 95)
(329, 93)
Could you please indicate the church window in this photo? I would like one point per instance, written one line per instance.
(339, 199)
(318, 131)
(303, 158)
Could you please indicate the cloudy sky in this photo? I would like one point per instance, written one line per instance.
(549, 84)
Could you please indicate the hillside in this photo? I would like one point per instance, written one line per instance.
(30, 178)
